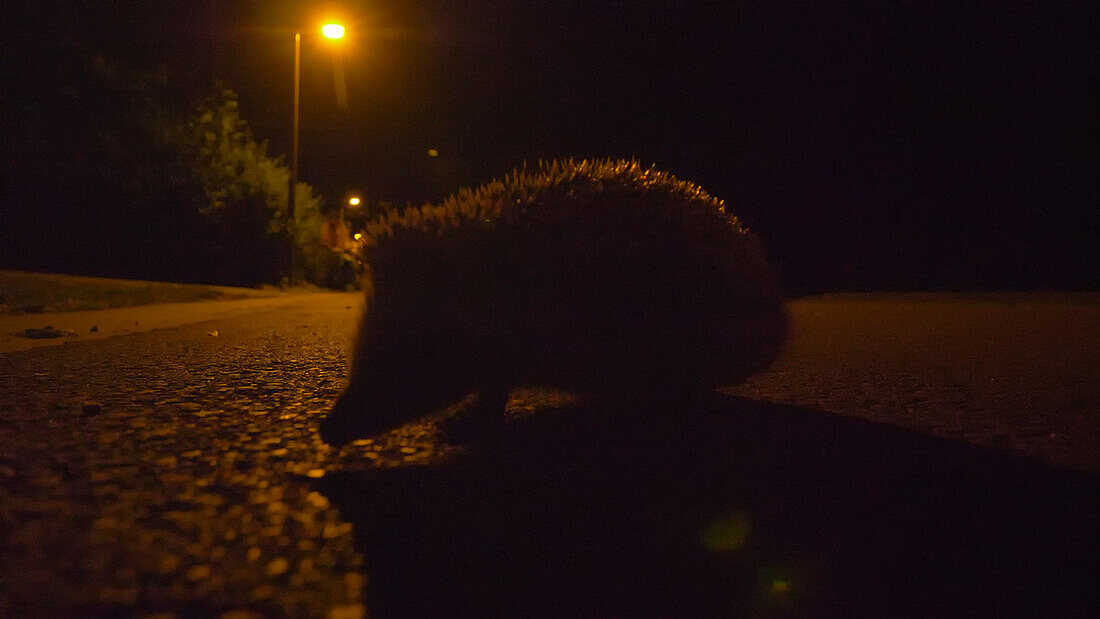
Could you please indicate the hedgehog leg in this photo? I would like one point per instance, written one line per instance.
(482, 419)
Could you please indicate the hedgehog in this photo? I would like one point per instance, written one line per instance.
(601, 277)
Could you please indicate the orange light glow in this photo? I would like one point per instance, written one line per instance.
(333, 31)
(354, 201)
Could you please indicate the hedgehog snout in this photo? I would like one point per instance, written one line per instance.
(337, 428)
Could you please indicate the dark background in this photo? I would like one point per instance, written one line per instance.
(872, 145)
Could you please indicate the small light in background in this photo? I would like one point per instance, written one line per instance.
(433, 152)
(358, 236)
(353, 201)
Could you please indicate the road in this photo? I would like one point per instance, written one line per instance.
(72, 327)
(1018, 372)
(179, 471)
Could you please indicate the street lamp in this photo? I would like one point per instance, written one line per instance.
(353, 202)
(332, 31)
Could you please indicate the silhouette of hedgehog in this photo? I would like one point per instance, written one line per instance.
(598, 277)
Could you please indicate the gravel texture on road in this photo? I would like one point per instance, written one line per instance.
(176, 471)
(171, 470)
(1014, 371)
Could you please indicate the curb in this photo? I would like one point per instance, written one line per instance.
(27, 331)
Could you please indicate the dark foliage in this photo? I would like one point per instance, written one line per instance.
(120, 171)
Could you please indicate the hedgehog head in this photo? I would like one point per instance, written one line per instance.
(429, 335)
(378, 398)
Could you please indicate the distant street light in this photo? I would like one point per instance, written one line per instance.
(332, 31)
(352, 201)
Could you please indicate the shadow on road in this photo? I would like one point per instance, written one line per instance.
(746, 509)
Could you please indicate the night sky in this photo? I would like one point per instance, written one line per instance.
(872, 145)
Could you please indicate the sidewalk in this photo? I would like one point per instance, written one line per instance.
(100, 324)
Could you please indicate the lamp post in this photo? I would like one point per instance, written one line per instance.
(352, 202)
(332, 31)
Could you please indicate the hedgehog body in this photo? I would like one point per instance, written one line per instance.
(598, 277)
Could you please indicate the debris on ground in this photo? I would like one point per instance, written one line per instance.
(43, 333)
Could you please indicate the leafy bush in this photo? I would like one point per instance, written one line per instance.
(246, 197)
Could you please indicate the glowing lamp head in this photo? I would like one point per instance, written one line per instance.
(354, 201)
(333, 31)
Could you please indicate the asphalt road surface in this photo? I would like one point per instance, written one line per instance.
(178, 471)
